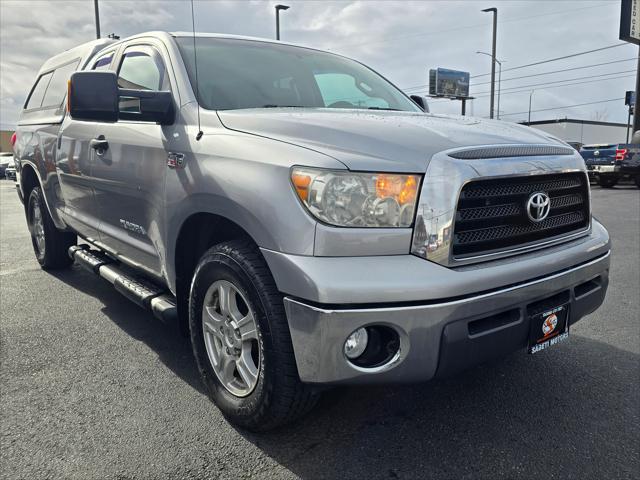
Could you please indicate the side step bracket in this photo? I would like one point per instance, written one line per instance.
(140, 291)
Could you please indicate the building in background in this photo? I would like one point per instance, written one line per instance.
(583, 131)
(5, 140)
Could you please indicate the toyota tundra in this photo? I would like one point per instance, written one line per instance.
(300, 218)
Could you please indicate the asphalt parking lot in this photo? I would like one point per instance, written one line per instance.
(93, 387)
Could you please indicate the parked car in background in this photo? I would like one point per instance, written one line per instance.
(609, 163)
(10, 172)
(576, 145)
(6, 159)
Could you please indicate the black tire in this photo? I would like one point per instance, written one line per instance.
(53, 252)
(278, 397)
(607, 182)
(637, 180)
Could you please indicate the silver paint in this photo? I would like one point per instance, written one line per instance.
(319, 333)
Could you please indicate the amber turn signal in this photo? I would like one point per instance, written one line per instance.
(301, 183)
(403, 188)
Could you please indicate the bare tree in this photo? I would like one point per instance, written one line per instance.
(600, 115)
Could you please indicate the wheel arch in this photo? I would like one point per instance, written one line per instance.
(197, 233)
(29, 179)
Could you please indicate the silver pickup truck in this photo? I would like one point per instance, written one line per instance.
(300, 218)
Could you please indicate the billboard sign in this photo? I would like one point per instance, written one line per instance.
(630, 21)
(448, 83)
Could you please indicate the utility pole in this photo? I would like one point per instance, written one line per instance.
(278, 8)
(95, 7)
(493, 57)
(636, 107)
(499, 80)
(530, 97)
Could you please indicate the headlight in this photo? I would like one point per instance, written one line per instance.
(352, 199)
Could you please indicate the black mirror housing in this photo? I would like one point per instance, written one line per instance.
(93, 96)
(421, 102)
(148, 106)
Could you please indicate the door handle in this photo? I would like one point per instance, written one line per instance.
(99, 144)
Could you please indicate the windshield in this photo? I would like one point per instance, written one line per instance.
(234, 74)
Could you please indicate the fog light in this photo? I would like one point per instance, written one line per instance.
(356, 343)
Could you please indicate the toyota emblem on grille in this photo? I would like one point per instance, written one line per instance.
(538, 206)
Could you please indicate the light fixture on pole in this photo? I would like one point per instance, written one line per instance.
(499, 81)
(278, 8)
(493, 57)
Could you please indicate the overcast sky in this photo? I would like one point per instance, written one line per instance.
(400, 39)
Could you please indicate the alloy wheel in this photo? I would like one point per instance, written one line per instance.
(231, 338)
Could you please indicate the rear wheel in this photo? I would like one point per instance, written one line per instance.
(49, 244)
(637, 180)
(607, 182)
(241, 340)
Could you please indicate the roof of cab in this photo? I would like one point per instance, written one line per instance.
(84, 52)
(237, 37)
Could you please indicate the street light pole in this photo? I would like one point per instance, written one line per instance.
(636, 107)
(499, 84)
(493, 57)
(97, 13)
(499, 79)
(278, 8)
(530, 97)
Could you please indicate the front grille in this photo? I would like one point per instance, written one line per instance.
(492, 214)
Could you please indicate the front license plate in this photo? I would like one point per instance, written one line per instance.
(548, 328)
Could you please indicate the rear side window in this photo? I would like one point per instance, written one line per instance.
(37, 94)
(57, 90)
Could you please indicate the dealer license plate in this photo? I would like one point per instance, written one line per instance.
(548, 328)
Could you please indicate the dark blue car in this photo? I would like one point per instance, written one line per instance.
(609, 163)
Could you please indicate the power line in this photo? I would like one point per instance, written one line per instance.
(420, 87)
(564, 57)
(466, 27)
(506, 90)
(560, 81)
(527, 90)
(559, 71)
(563, 107)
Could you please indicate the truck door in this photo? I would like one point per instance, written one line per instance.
(74, 158)
(129, 173)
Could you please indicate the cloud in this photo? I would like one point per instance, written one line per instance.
(401, 39)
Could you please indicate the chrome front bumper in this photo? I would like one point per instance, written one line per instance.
(604, 169)
(435, 336)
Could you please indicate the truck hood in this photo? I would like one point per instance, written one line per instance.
(378, 140)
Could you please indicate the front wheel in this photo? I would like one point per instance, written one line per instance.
(241, 340)
(49, 244)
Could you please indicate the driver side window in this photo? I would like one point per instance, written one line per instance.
(341, 89)
(141, 68)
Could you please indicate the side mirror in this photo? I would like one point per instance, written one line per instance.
(146, 106)
(95, 96)
(421, 102)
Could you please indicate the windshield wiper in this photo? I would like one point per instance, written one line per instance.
(384, 108)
